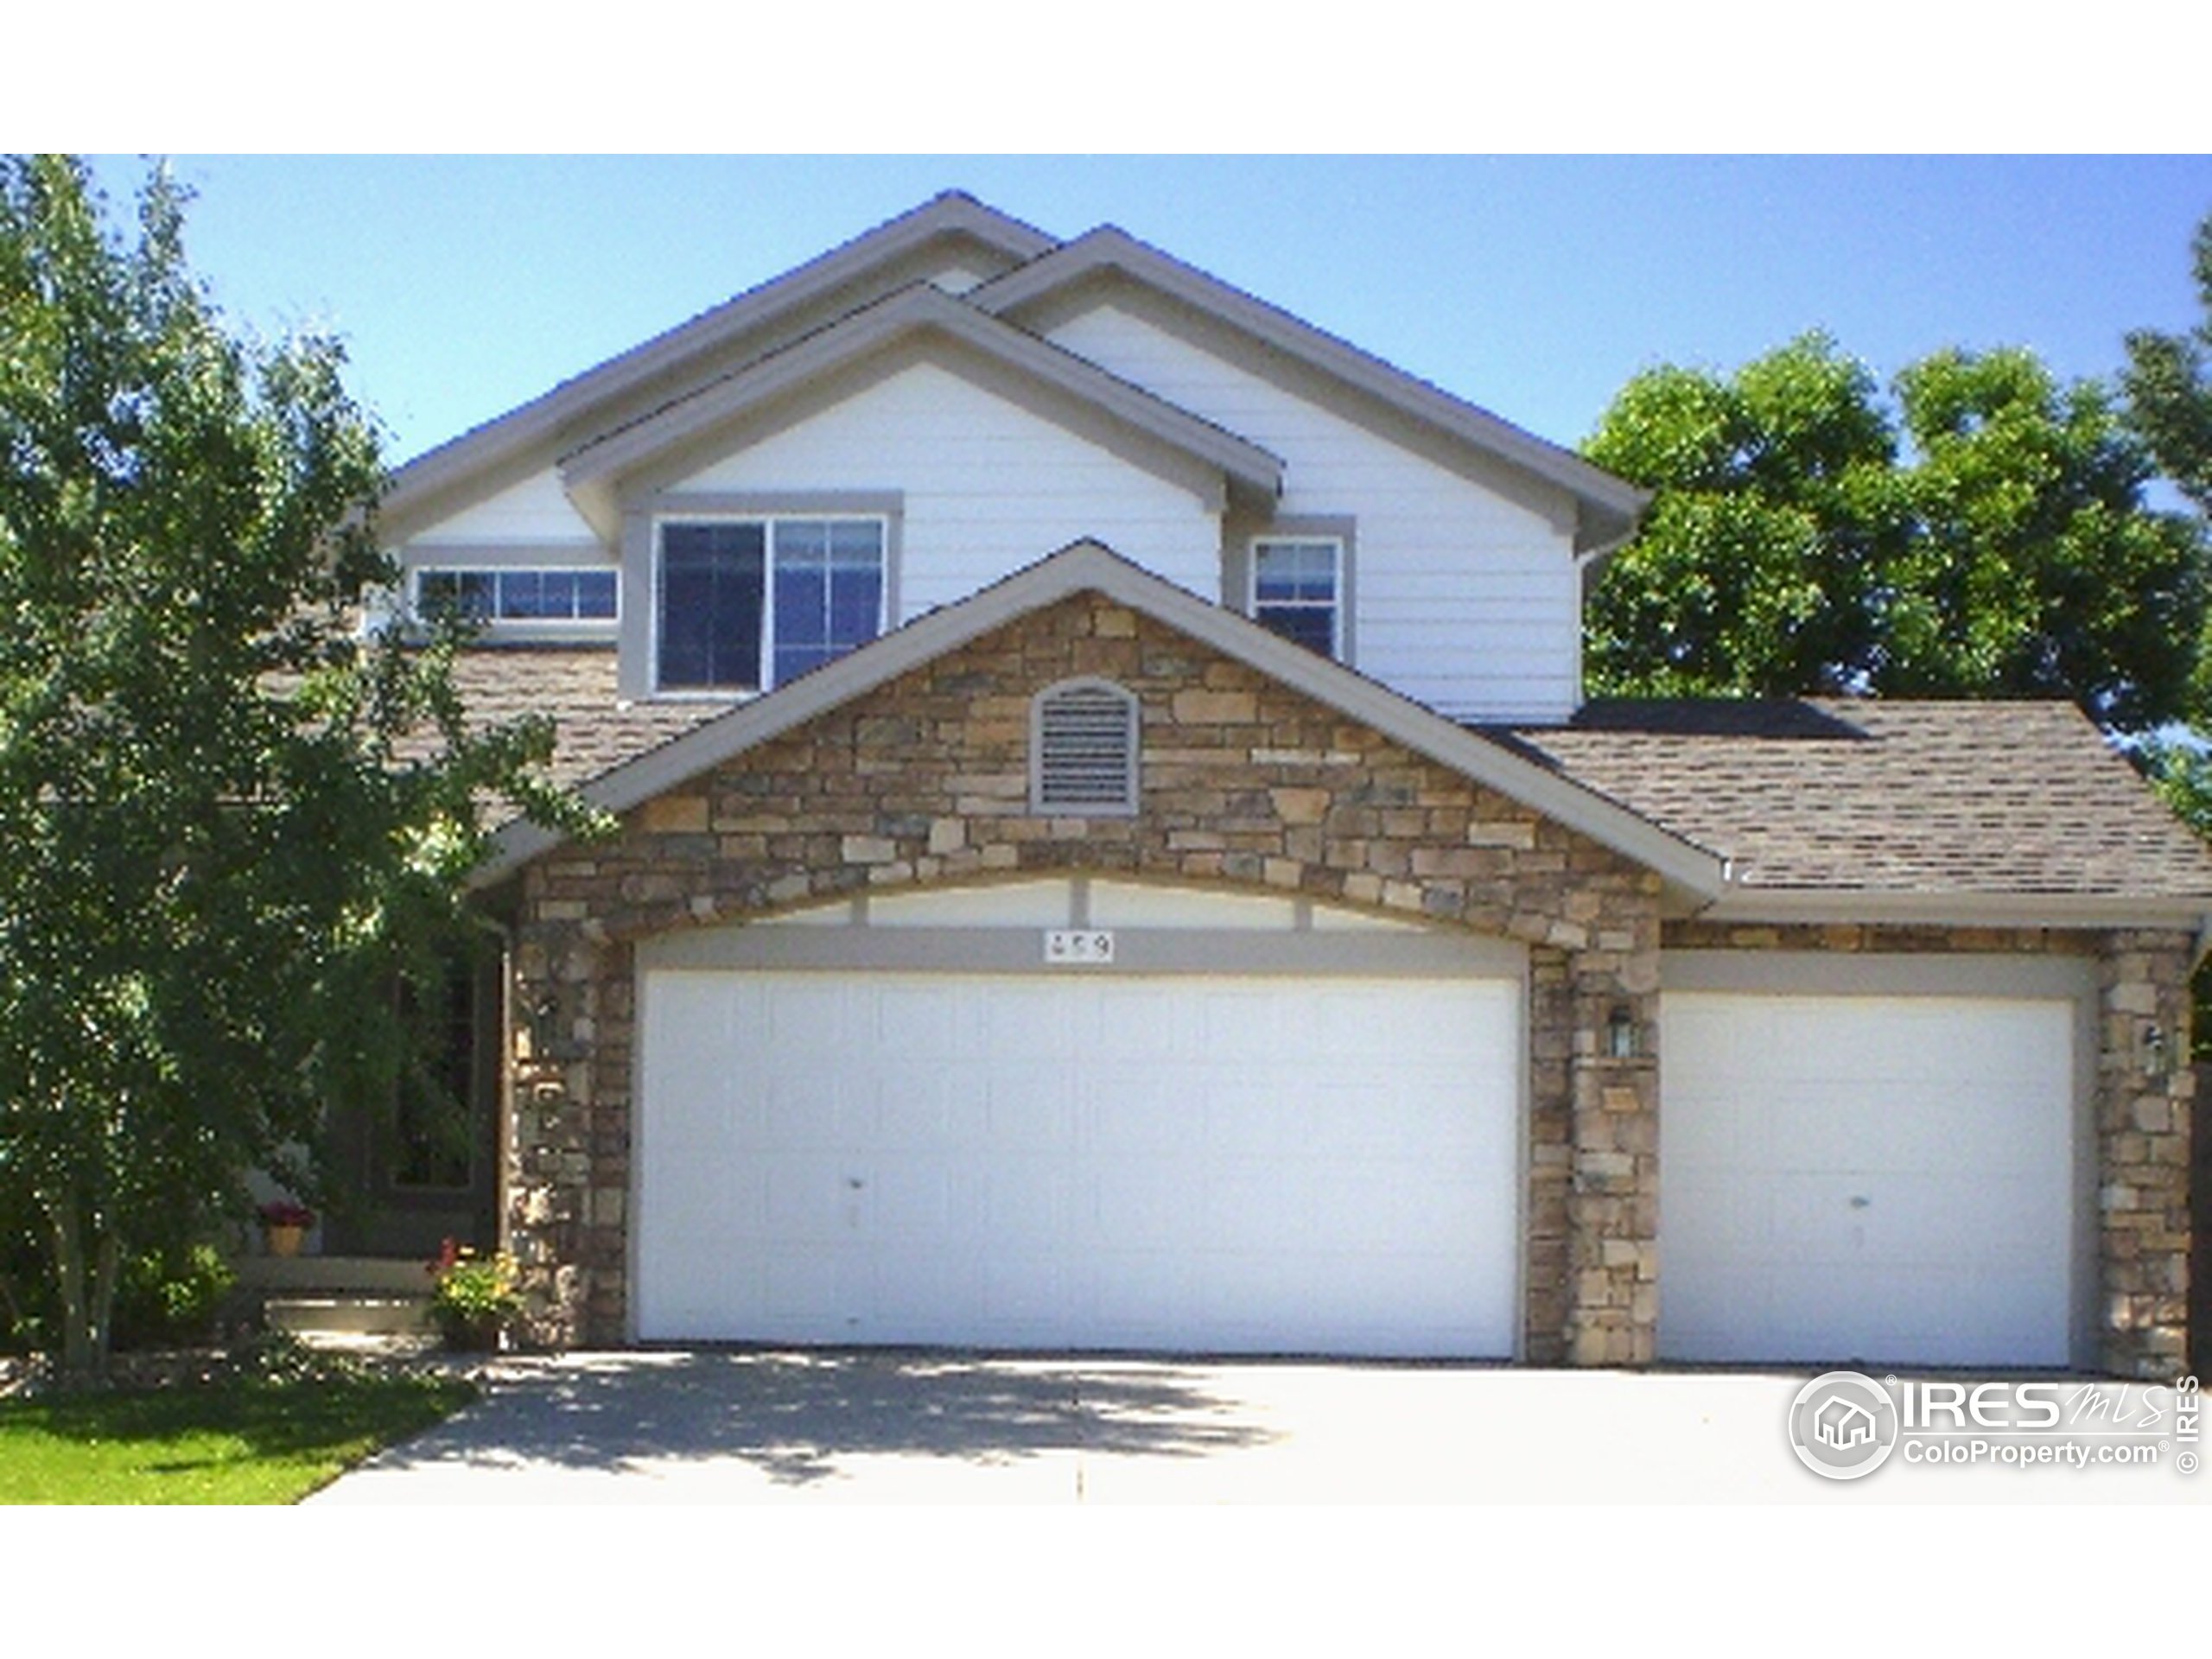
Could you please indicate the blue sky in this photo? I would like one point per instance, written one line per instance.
(1534, 286)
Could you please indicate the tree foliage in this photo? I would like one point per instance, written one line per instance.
(2168, 381)
(1980, 532)
(234, 821)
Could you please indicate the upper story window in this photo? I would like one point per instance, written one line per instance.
(1298, 590)
(746, 604)
(500, 597)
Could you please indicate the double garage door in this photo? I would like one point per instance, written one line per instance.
(1062, 1159)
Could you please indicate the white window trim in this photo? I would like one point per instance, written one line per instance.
(593, 629)
(767, 521)
(1133, 712)
(1339, 606)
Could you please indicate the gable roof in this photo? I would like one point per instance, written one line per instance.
(952, 218)
(591, 472)
(1023, 265)
(1843, 810)
(1609, 507)
(1088, 567)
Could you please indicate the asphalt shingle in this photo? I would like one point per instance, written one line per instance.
(1893, 797)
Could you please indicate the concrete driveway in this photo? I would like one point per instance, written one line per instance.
(726, 1427)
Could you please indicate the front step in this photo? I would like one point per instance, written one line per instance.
(358, 1275)
(346, 1319)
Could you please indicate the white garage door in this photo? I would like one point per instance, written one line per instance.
(1246, 1165)
(1867, 1178)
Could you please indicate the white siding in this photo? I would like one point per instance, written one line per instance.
(988, 487)
(1466, 600)
(536, 512)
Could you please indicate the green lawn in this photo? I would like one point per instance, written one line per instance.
(249, 1440)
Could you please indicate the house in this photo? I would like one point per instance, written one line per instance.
(1113, 854)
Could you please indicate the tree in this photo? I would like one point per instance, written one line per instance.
(234, 821)
(2168, 382)
(1985, 535)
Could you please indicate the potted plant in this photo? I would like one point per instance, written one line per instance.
(473, 1296)
(284, 1224)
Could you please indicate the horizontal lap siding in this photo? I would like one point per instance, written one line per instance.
(536, 512)
(1466, 601)
(988, 487)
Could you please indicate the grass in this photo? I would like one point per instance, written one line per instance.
(246, 1439)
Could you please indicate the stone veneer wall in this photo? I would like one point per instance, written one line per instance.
(925, 780)
(2142, 1114)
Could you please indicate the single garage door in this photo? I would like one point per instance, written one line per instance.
(1231, 1165)
(1885, 1179)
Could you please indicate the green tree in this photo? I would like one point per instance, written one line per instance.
(1982, 533)
(2168, 382)
(232, 821)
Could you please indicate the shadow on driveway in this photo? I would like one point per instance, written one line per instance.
(791, 1416)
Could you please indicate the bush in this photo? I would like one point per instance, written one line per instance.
(171, 1298)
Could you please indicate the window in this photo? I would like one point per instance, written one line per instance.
(1298, 589)
(721, 618)
(501, 596)
(1082, 750)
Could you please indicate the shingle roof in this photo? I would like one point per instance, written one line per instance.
(1833, 795)
(1902, 797)
(576, 685)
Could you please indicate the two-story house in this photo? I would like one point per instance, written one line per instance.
(1113, 854)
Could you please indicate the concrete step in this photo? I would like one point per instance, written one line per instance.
(363, 1275)
(350, 1314)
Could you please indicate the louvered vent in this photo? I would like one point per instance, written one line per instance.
(1083, 750)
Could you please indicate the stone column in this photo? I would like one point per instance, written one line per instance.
(2143, 1099)
(1613, 1195)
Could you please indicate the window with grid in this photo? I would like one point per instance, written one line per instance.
(1298, 590)
(747, 604)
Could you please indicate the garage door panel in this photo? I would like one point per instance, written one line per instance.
(1885, 1178)
(808, 1197)
(1031, 1171)
(1136, 1109)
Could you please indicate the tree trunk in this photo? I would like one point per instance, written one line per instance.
(88, 1287)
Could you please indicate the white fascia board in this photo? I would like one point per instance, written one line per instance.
(593, 473)
(544, 417)
(1089, 567)
(1839, 906)
(1610, 506)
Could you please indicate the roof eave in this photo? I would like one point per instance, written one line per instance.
(591, 474)
(438, 471)
(1752, 904)
(1609, 506)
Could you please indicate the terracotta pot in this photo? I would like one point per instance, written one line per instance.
(284, 1241)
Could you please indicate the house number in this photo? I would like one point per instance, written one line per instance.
(1070, 947)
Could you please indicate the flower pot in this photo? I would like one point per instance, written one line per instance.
(284, 1241)
(471, 1334)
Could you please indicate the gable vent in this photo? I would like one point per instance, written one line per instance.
(1082, 750)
